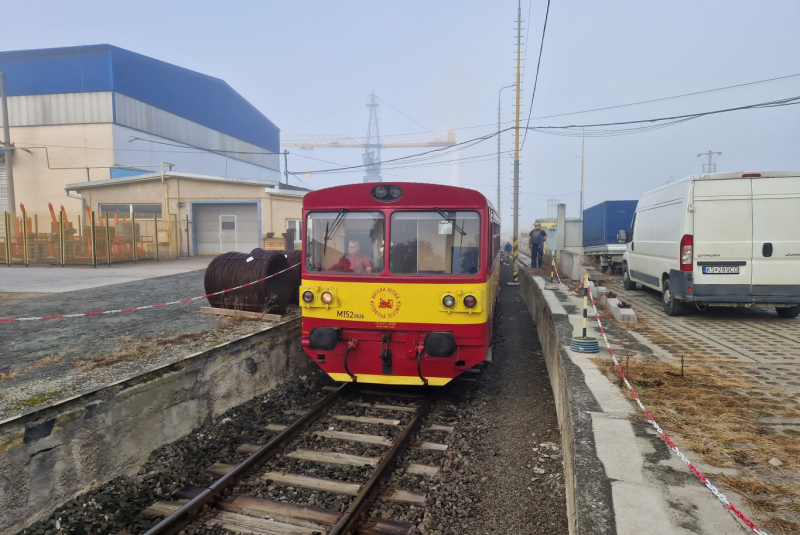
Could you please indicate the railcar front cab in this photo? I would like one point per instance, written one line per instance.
(416, 317)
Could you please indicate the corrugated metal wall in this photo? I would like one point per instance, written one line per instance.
(146, 118)
(100, 68)
(60, 108)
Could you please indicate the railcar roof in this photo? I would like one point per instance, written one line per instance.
(415, 195)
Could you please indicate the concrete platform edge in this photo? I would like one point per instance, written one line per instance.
(590, 507)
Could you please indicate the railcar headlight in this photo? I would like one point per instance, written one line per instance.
(470, 301)
(326, 297)
(449, 301)
(395, 192)
(308, 297)
(380, 192)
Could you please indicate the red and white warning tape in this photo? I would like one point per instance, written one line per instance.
(721, 497)
(63, 316)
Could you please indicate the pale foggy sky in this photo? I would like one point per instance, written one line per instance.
(442, 63)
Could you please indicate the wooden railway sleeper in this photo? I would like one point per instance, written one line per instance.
(187, 512)
(351, 518)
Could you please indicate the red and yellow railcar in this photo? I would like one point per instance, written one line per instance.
(399, 281)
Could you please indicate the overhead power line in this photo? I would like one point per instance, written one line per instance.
(676, 119)
(536, 80)
(328, 113)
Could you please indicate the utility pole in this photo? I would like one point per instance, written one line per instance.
(498, 145)
(9, 153)
(712, 168)
(286, 166)
(515, 277)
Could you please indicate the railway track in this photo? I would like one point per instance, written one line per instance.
(321, 471)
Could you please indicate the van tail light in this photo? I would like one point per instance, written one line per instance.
(687, 244)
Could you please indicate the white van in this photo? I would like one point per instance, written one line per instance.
(721, 239)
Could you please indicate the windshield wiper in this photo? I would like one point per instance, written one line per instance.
(452, 221)
(336, 224)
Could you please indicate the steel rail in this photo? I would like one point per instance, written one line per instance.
(351, 518)
(180, 518)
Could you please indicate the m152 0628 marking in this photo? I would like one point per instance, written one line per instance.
(349, 315)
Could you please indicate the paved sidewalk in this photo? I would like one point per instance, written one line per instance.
(57, 279)
(755, 342)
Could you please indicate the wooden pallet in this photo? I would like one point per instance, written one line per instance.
(244, 314)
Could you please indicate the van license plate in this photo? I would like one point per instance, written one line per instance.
(721, 270)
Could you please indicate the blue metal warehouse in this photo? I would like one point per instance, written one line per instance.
(151, 105)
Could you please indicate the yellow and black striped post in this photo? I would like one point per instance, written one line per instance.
(515, 256)
(552, 264)
(585, 302)
(585, 344)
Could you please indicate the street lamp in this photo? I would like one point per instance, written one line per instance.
(498, 144)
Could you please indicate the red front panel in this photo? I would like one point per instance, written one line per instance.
(365, 359)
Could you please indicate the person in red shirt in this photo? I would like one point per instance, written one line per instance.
(352, 261)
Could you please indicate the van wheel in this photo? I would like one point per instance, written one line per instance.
(672, 306)
(788, 312)
(627, 283)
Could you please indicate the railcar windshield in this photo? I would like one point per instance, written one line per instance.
(435, 243)
(345, 242)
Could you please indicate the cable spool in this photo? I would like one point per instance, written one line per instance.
(293, 257)
(232, 269)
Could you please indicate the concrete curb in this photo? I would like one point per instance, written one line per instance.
(590, 506)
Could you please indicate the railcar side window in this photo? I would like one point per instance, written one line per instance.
(426, 243)
(345, 242)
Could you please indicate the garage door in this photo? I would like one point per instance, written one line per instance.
(222, 227)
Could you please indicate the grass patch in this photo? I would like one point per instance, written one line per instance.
(36, 399)
(47, 360)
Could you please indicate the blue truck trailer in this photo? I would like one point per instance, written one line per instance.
(600, 226)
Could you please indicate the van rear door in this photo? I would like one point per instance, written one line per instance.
(776, 237)
(723, 237)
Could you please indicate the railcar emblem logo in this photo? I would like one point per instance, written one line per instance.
(385, 302)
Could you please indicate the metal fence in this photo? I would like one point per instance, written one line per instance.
(87, 238)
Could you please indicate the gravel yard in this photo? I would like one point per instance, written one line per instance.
(44, 361)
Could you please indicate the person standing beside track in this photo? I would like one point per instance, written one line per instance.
(536, 240)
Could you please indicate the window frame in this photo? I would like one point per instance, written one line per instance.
(378, 268)
(481, 245)
(298, 234)
(131, 209)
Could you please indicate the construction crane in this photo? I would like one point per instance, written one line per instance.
(371, 144)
